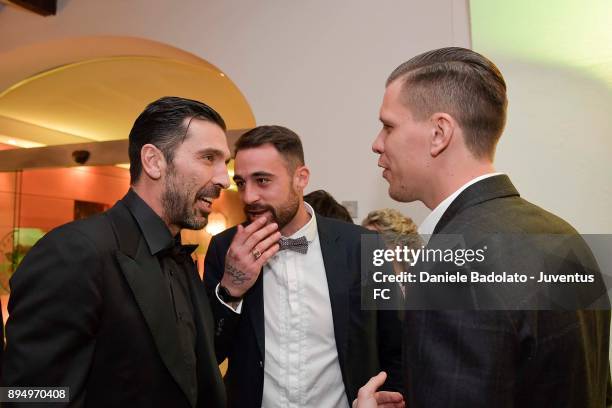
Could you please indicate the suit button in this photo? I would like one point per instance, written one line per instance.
(260, 364)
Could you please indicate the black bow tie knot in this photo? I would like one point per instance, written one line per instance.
(178, 252)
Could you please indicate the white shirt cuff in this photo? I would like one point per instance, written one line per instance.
(238, 308)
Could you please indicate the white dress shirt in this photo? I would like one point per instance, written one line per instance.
(428, 225)
(301, 366)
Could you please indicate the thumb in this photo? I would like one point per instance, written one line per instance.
(375, 382)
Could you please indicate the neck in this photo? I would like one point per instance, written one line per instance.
(299, 220)
(452, 178)
(153, 199)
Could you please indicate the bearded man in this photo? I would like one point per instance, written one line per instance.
(286, 291)
(112, 306)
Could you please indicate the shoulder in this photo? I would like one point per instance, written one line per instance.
(94, 232)
(343, 229)
(508, 214)
(224, 238)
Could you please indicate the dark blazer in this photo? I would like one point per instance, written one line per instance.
(367, 341)
(91, 310)
(524, 358)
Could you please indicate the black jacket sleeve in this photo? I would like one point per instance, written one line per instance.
(55, 308)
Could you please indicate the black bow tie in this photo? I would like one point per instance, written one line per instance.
(178, 252)
(298, 244)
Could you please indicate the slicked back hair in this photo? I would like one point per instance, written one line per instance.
(284, 140)
(462, 83)
(164, 124)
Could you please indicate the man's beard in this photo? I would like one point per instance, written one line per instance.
(281, 215)
(178, 205)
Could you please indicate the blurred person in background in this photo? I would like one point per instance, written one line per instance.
(325, 204)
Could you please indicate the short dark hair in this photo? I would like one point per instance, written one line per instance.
(164, 124)
(284, 140)
(462, 83)
(325, 204)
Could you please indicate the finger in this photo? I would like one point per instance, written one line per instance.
(249, 229)
(371, 386)
(263, 246)
(385, 397)
(393, 405)
(259, 235)
(270, 252)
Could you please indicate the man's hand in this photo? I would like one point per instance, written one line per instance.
(249, 251)
(368, 397)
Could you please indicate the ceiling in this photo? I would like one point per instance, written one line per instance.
(99, 97)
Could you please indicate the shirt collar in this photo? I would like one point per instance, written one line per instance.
(309, 230)
(428, 225)
(154, 230)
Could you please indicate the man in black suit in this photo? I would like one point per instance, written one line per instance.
(286, 291)
(112, 306)
(443, 113)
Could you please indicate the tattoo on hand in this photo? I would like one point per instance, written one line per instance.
(237, 276)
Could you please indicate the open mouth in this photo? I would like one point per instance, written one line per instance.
(205, 203)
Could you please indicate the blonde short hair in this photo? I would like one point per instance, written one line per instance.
(396, 228)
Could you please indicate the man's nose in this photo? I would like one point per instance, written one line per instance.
(221, 177)
(249, 194)
(378, 146)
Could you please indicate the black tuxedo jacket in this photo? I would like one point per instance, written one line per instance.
(91, 310)
(525, 358)
(367, 341)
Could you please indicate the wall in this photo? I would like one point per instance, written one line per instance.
(557, 143)
(48, 195)
(318, 66)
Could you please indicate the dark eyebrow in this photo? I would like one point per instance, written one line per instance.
(254, 175)
(262, 174)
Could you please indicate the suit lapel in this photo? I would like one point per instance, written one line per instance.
(145, 278)
(209, 385)
(253, 305)
(338, 280)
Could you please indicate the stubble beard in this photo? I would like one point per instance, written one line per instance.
(179, 205)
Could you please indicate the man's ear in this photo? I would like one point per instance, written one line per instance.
(153, 161)
(443, 129)
(301, 176)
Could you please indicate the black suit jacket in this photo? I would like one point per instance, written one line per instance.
(525, 358)
(367, 341)
(91, 310)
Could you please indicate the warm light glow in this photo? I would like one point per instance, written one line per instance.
(216, 223)
(123, 165)
(230, 173)
(14, 141)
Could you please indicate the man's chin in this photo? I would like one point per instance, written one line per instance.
(196, 222)
(400, 196)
